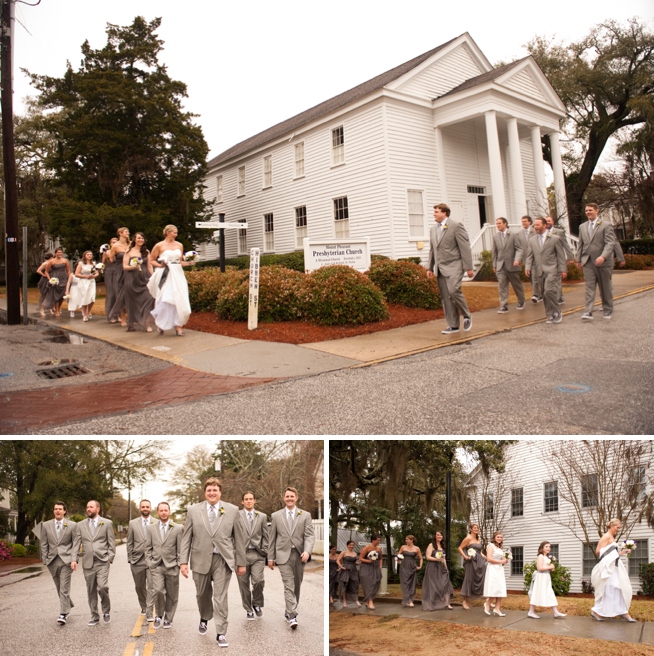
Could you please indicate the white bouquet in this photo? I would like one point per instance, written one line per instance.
(439, 555)
(373, 555)
(135, 261)
(104, 248)
(191, 256)
(99, 266)
(629, 545)
(54, 281)
(507, 554)
(398, 557)
(552, 559)
(471, 552)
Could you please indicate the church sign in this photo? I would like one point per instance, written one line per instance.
(354, 253)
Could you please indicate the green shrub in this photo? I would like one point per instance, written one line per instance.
(6, 550)
(20, 551)
(486, 273)
(405, 283)
(456, 576)
(232, 301)
(282, 294)
(575, 273)
(294, 260)
(646, 575)
(561, 577)
(340, 295)
(376, 257)
(638, 246)
(32, 549)
(415, 260)
(634, 262)
(204, 286)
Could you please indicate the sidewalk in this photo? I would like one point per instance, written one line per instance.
(570, 626)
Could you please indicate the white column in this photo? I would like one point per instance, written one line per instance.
(517, 176)
(440, 160)
(559, 181)
(539, 171)
(495, 164)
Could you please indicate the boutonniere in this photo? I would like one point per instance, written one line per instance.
(599, 223)
(101, 523)
(299, 512)
(256, 512)
(170, 526)
(65, 525)
(549, 235)
(445, 227)
(222, 510)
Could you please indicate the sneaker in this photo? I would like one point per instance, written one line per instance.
(157, 623)
(449, 331)
(167, 624)
(149, 618)
(520, 306)
(550, 320)
(607, 314)
(61, 619)
(557, 318)
(561, 300)
(601, 308)
(249, 616)
(257, 611)
(94, 621)
(503, 310)
(293, 623)
(467, 323)
(222, 640)
(587, 316)
(534, 299)
(106, 618)
(202, 629)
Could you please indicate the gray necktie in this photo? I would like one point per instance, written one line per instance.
(290, 520)
(250, 520)
(93, 527)
(58, 527)
(212, 516)
(503, 235)
(440, 232)
(542, 241)
(163, 532)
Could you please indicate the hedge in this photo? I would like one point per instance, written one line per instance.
(646, 575)
(561, 577)
(405, 283)
(638, 246)
(294, 260)
(486, 273)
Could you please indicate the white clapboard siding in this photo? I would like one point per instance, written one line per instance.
(526, 462)
(524, 82)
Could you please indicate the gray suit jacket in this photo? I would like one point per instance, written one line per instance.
(166, 552)
(551, 259)
(64, 545)
(601, 242)
(258, 538)
(453, 255)
(137, 540)
(102, 546)
(198, 541)
(281, 540)
(559, 232)
(524, 241)
(506, 250)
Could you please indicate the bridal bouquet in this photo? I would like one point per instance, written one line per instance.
(135, 261)
(440, 555)
(629, 545)
(507, 554)
(471, 552)
(104, 248)
(54, 281)
(398, 557)
(373, 555)
(191, 256)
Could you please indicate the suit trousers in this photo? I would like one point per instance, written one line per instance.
(602, 276)
(61, 574)
(513, 277)
(165, 581)
(252, 595)
(454, 302)
(550, 284)
(97, 583)
(536, 286)
(292, 572)
(211, 592)
(143, 584)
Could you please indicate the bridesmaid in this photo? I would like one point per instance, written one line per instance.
(43, 282)
(495, 581)
(474, 566)
(370, 571)
(59, 268)
(333, 573)
(540, 590)
(436, 586)
(348, 577)
(114, 278)
(409, 569)
(138, 300)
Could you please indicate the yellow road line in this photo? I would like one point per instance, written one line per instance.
(136, 631)
(151, 629)
(129, 650)
(148, 649)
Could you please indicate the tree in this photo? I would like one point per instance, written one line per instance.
(187, 479)
(125, 152)
(606, 82)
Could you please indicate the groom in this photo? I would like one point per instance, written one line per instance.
(213, 543)
(137, 542)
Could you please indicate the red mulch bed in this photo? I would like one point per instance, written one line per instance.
(18, 563)
(302, 332)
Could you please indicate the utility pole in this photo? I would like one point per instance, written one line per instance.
(12, 266)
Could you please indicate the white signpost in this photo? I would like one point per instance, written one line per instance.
(253, 302)
(319, 253)
(222, 226)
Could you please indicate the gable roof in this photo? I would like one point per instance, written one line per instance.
(325, 108)
(484, 77)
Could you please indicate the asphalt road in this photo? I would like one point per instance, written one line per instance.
(29, 609)
(568, 378)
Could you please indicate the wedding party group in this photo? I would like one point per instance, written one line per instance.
(216, 539)
(144, 289)
(484, 574)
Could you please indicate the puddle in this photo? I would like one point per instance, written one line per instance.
(25, 570)
(5, 375)
(68, 339)
(48, 363)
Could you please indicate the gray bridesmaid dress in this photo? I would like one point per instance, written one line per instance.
(333, 578)
(348, 579)
(474, 573)
(436, 586)
(116, 280)
(370, 576)
(408, 576)
(55, 293)
(138, 300)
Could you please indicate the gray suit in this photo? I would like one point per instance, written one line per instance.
(536, 289)
(506, 251)
(98, 553)
(57, 549)
(547, 264)
(136, 545)
(449, 257)
(600, 242)
(213, 555)
(285, 547)
(569, 255)
(256, 552)
(162, 557)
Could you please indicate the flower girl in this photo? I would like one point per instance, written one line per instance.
(540, 590)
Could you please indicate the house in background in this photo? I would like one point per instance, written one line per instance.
(371, 162)
(530, 503)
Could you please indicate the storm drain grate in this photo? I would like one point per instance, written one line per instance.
(62, 372)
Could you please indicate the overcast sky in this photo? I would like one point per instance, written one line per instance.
(250, 65)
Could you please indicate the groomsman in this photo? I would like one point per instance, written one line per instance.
(96, 535)
(546, 258)
(213, 543)
(59, 543)
(569, 255)
(164, 543)
(255, 525)
(137, 538)
(507, 253)
(290, 543)
(526, 233)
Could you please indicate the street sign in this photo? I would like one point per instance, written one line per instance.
(253, 304)
(220, 226)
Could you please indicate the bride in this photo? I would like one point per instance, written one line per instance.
(168, 284)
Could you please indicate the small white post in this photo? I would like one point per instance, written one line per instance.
(253, 305)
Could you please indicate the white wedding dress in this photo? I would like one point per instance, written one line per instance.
(540, 591)
(610, 579)
(495, 581)
(172, 307)
(82, 290)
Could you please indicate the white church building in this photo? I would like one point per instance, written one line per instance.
(371, 162)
